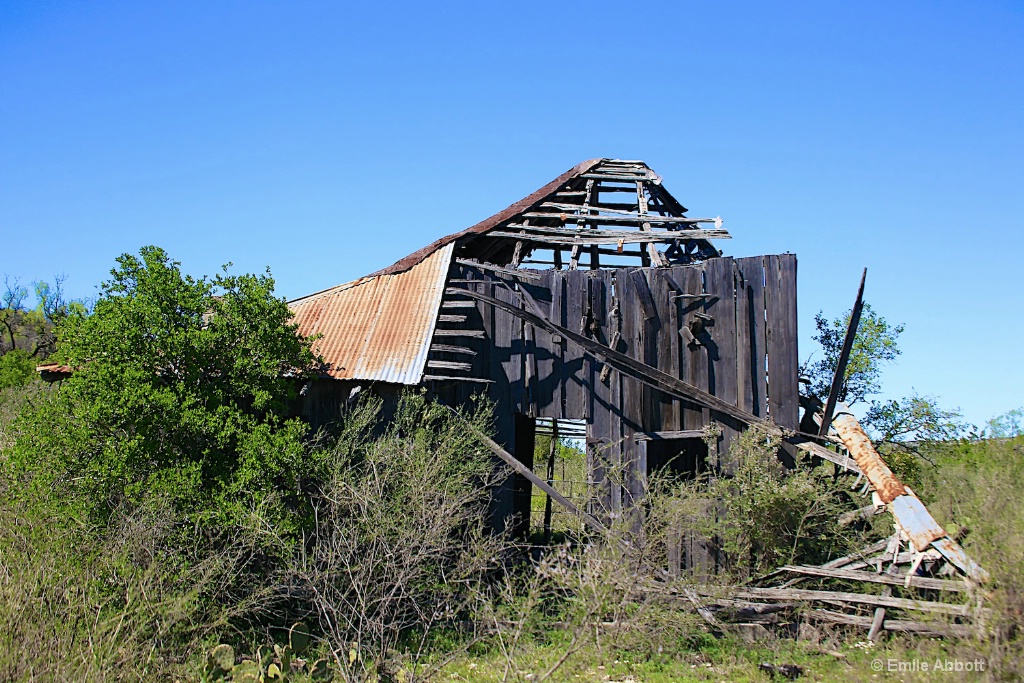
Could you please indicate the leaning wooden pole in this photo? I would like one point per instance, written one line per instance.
(844, 357)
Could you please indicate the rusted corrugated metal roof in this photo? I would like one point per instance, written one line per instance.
(378, 328)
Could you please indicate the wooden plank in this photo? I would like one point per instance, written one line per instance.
(927, 628)
(449, 348)
(752, 270)
(652, 251)
(641, 292)
(449, 318)
(545, 384)
(817, 450)
(575, 377)
(449, 365)
(721, 349)
(615, 456)
(507, 349)
(602, 426)
(607, 208)
(839, 376)
(872, 577)
(879, 618)
(530, 370)
(843, 596)
(522, 483)
(667, 345)
(650, 328)
(780, 295)
(744, 388)
(670, 434)
(628, 286)
(556, 286)
(474, 334)
(694, 355)
(460, 378)
(599, 237)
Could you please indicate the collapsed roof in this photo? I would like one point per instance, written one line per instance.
(600, 213)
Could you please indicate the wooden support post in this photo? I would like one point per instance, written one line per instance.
(653, 256)
(552, 451)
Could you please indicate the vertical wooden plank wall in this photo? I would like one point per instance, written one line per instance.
(751, 332)
(783, 358)
(746, 356)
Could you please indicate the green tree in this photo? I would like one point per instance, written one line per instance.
(901, 424)
(1007, 425)
(17, 368)
(33, 329)
(181, 388)
(876, 344)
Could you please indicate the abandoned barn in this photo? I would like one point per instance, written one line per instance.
(596, 309)
(603, 252)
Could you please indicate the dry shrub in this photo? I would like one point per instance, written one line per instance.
(80, 604)
(399, 548)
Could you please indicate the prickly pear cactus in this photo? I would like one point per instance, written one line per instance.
(298, 638)
(220, 661)
(270, 665)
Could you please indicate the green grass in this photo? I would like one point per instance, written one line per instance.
(727, 659)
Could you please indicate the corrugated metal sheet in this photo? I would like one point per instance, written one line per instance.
(378, 328)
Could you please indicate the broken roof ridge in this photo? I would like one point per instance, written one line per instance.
(493, 221)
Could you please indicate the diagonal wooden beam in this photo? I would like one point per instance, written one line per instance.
(844, 358)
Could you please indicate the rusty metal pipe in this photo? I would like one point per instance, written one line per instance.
(886, 484)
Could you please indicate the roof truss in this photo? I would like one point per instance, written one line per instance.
(615, 213)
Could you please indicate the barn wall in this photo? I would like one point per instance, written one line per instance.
(746, 354)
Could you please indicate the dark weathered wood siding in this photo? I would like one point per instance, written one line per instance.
(746, 354)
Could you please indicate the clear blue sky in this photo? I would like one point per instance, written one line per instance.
(328, 140)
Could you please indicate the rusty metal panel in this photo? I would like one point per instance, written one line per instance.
(378, 328)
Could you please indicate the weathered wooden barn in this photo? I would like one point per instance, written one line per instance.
(602, 254)
(595, 308)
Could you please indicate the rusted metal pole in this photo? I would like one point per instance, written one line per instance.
(910, 514)
(855, 439)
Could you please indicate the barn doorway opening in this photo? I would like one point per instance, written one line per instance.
(560, 458)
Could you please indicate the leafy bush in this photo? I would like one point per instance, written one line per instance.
(180, 389)
(974, 489)
(17, 368)
(763, 516)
